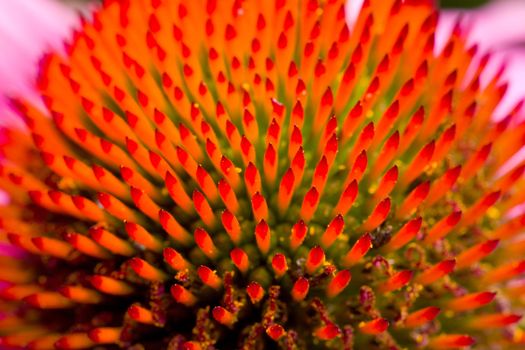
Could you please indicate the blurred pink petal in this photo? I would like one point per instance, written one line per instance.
(498, 28)
(28, 28)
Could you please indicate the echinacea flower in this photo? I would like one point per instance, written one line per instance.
(254, 175)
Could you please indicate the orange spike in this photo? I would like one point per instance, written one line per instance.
(175, 260)
(321, 174)
(286, 189)
(363, 142)
(475, 253)
(494, 320)
(240, 259)
(19, 291)
(140, 314)
(275, 331)
(503, 272)
(300, 289)
(338, 283)
(279, 265)
(509, 229)
(49, 300)
(228, 196)
(177, 193)
(475, 212)
(230, 172)
(74, 341)
(314, 260)
(209, 277)
(111, 242)
(147, 271)
(387, 153)
(202, 206)
(386, 122)
(173, 228)
(252, 179)
(378, 216)
(404, 235)
(117, 208)
(310, 202)
(223, 316)
(476, 161)
(470, 301)
(81, 295)
(231, 225)
(347, 199)
(444, 143)
(436, 272)
(328, 332)
(419, 163)
(413, 200)
(331, 147)
(352, 121)
(298, 164)
(255, 292)
(143, 237)
(387, 183)
(263, 236)
(270, 164)
(111, 285)
(443, 185)
(42, 343)
(53, 247)
(259, 207)
(87, 246)
(182, 295)
(421, 317)
(205, 243)
(205, 182)
(334, 229)
(298, 234)
(296, 141)
(450, 341)
(443, 227)
(105, 335)
(191, 345)
(358, 251)
(396, 281)
(144, 203)
(376, 326)
(107, 180)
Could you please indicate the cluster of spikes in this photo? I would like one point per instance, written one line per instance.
(242, 174)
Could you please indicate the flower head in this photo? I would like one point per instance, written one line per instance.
(247, 174)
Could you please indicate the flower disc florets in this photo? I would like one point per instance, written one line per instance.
(255, 175)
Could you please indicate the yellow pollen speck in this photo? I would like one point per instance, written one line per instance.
(493, 213)
(343, 237)
(66, 183)
(369, 114)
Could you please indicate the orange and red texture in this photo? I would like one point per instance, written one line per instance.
(254, 175)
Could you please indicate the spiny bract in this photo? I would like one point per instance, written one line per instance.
(254, 175)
